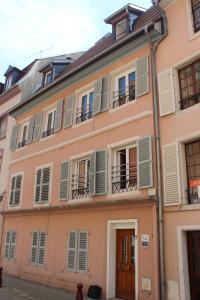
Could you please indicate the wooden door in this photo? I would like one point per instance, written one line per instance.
(125, 264)
(193, 242)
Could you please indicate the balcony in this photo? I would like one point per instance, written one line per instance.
(83, 114)
(124, 178)
(190, 101)
(48, 132)
(80, 186)
(124, 96)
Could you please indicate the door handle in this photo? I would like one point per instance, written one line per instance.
(118, 265)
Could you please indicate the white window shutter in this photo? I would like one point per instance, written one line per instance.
(69, 110)
(142, 76)
(37, 126)
(72, 251)
(165, 88)
(82, 264)
(171, 174)
(64, 180)
(30, 130)
(97, 96)
(13, 140)
(41, 248)
(105, 100)
(34, 250)
(7, 245)
(144, 164)
(13, 245)
(58, 116)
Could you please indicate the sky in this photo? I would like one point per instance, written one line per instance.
(33, 29)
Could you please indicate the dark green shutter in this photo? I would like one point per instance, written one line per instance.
(58, 116)
(64, 180)
(30, 130)
(69, 110)
(105, 99)
(144, 155)
(98, 173)
(97, 96)
(13, 140)
(37, 126)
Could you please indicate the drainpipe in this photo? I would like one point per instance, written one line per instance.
(153, 49)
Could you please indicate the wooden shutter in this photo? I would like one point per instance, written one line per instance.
(144, 156)
(7, 245)
(171, 174)
(68, 114)
(82, 263)
(72, 251)
(105, 99)
(92, 175)
(58, 116)
(41, 248)
(13, 244)
(13, 140)
(37, 126)
(38, 185)
(97, 96)
(142, 76)
(165, 88)
(46, 172)
(30, 130)
(101, 172)
(34, 250)
(64, 180)
(18, 186)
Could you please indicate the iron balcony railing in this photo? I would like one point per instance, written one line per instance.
(48, 132)
(196, 15)
(123, 96)
(83, 114)
(80, 186)
(21, 144)
(124, 178)
(190, 101)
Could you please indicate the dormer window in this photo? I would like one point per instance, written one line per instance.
(8, 82)
(48, 78)
(121, 29)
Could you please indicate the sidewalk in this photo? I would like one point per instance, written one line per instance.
(18, 289)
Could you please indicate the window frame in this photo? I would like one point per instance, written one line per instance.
(45, 131)
(50, 165)
(39, 232)
(21, 190)
(11, 231)
(78, 112)
(123, 33)
(196, 28)
(3, 133)
(21, 143)
(8, 82)
(46, 76)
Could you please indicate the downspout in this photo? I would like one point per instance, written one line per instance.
(153, 49)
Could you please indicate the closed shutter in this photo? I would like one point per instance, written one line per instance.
(166, 100)
(68, 114)
(37, 126)
(13, 245)
(58, 116)
(34, 250)
(105, 100)
(92, 175)
(64, 180)
(144, 155)
(38, 185)
(41, 248)
(142, 76)
(7, 245)
(13, 140)
(82, 264)
(97, 96)
(72, 251)
(18, 185)
(171, 174)
(30, 130)
(101, 172)
(45, 184)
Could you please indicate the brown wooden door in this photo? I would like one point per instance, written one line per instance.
(193, 242)
(125, 264)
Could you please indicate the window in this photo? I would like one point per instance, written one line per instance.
(1, 157)
(189, 79)
(49, 123)
(16, 189)
(42, 188)
(124, 170)
(196, 14)
(77, 251)
(121, 29)
(85, 110)
(80, 179)
(125, 86)
(23, 136)
(10, 245)
(8, 82)
(3, 126)
(48, 78)
(38, 247)
(192, 151)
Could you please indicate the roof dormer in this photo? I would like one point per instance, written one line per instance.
(124, 19)
(12, 75)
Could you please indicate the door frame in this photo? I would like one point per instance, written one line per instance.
(112, 226)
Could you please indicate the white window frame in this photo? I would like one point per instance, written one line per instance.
(191, 33)
(10, 244)
(9, 82)
(22, 130)
(46, 75)
(120, 35)
(38, 247)
(45, 120)
(79, 103)
(75, 171)
(21, 190)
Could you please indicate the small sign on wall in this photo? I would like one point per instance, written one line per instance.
(145, 240)
(146, 285)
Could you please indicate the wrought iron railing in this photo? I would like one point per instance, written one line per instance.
(21, 144)
(83, 114)
(124, 178)
(123, 96)
(80, 186)
(48, 132)
(190, 101)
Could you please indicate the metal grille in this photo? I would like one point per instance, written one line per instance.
(196, 14)
(124, 178)
(123, 96)
(80, 186)
(83, 114)
(48, 132)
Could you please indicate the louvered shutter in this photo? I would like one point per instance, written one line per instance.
(64, 180)
(142, 76)
(30, 130)
(105, 99)
(72, 251)
(45, 184)
(144, 156)
(34, 250)
(68, 114)
(41, 248)
(7, 245)
(37, 126)
(12, 192)
(58, 116)
(166, 100)
(171, 174)
(82, 263)
(38, 185)
(92, 175)
(13, 140)
(18, 185)
(101, 172)
(97, 96)
(13, 244)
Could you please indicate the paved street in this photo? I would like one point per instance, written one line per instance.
(17, 289)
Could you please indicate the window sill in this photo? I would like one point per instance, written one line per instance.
(124, 195)
(84, 122)
(2, 138)
(188, 109)
(72, 202)
(21, 148)
(121, 106)
(41, 204)
(194, 35)
(14, 206)
(190, 206)
(47, 137)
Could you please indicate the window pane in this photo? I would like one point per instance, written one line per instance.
(91, 97)
(122, 86)
(84, 105)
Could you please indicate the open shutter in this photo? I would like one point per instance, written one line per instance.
(7, 245)
(18, 186)
(13, 140)
(58, 116)
(101, 172)
(37, 126)
(41, 248)
(68, 114)
(34, 250)
(64, 180)
(72, 251)
(166, 100)
(30, 130)
(144, 156)
(82, 264)
(171, 174)
(105, 98)
(13, 245)
(38, 186)
(46, 172)
(142, 76)
(97, 96)
(92, 175)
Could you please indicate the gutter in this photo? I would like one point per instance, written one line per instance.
(153, 48)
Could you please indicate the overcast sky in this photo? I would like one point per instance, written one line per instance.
(40, 28)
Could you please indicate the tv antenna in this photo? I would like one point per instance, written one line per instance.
(41, 52)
